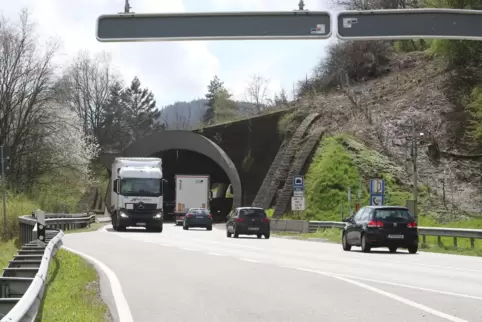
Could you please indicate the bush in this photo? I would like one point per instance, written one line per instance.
(288, 124)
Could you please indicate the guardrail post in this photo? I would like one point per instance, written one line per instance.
(439, 241)
(455, 242)
(424, 241)
(40, 225)
(472, 243)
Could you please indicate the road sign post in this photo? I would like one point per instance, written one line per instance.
(298, 198)
(377, 192)
(129, 27)
(409, 24)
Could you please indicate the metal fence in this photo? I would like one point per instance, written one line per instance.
(439, 232)
(23, 281)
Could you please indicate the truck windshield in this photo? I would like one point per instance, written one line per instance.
(141, 187)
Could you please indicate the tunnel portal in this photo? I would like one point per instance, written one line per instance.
(185, 152)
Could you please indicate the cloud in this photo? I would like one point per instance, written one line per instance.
(173, 71)
(177, 70)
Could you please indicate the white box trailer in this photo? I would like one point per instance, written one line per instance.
(192, 191)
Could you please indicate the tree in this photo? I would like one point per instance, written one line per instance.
(26, 79)
(215, 85)
(281, 98)
(142, 113)
(224, 107)
(257, 92)
(114, 128)
(86, 87)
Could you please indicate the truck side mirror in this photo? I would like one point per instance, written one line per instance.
(116, 181)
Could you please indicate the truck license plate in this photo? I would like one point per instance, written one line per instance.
(395, 236)
(141, 224)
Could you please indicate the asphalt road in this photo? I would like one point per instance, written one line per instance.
(200, 275)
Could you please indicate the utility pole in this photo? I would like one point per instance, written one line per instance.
(414, 155)
(4, 194)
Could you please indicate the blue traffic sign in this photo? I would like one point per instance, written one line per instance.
(298, 183)
(377, 187)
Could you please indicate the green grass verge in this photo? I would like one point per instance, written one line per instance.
(7, 251)
(72, 292)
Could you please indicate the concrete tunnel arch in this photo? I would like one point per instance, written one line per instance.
(187, 140)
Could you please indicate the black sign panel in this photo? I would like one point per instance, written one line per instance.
(410, 24)
(214, 26)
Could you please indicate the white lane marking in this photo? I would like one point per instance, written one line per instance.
(215, 254)
(122, 307)
(390, 295)
(249, 260)
(435, 266)
(190, 249)
(409, 286)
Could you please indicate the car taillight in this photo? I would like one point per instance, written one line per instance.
(239, 219)
(376, 224)
(188, 215)
(210, 216)
(266, 219)
(412, 224)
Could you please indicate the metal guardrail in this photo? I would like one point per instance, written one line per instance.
(22, 283)
(438, 232)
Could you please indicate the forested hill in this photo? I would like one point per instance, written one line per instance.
(188, 115)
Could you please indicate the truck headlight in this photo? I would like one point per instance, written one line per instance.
(158, 215)
(123, 214)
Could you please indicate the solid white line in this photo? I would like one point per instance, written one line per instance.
(249, 260)
(409, 286)
(391, 296)
(190, 249)
(215, 254)
(122, 307)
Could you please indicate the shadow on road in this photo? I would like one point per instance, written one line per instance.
(386, 252)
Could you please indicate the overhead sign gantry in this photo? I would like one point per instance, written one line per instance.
(297, 24)
(410, 24)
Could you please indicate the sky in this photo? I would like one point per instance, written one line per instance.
(179, 71)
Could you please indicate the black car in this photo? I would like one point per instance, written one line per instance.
(248, 221)
(198, 217)
(381, 226)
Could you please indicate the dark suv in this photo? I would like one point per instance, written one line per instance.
(381, 226)
(248, 221)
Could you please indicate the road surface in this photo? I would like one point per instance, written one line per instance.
(200, 275)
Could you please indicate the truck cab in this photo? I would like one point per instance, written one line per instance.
(137, 196)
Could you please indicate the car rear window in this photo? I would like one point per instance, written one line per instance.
(252, 213)
(199, 212)
(393, 215)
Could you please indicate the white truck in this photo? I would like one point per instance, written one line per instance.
(137, 193)
(192, 191)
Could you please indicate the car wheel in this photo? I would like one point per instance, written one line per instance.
(185, 227)
(209, 228)
(413, 249)
(236, 235)
(266, 236)
(392, 249)
(344, 242)
(228, 234)
(364, 244)
(259, 236)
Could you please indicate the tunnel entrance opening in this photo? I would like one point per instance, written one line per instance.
(186, 162)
